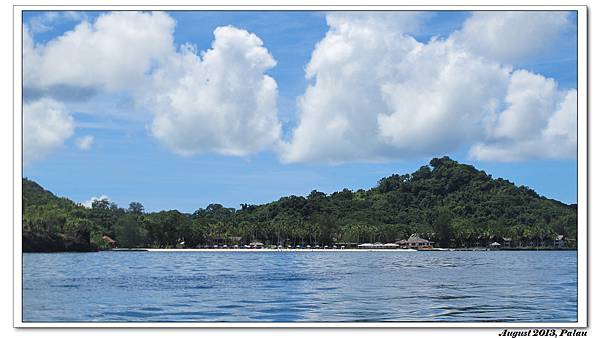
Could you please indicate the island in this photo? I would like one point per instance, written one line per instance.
(445, 203)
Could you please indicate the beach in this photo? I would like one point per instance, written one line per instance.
(270, 250)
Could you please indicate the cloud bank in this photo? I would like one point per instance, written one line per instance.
(380, 94)
(376, 93)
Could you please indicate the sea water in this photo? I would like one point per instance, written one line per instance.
(404, 286)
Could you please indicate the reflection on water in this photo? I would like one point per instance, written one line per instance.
(528, 286)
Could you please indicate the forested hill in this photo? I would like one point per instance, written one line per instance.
(53, 223)
(450, 203)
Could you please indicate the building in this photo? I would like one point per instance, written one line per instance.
(495, 245)
(415, 242)
(507, 242)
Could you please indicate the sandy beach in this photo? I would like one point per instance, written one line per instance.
(265, 250)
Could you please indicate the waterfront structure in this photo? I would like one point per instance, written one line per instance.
(415, 242)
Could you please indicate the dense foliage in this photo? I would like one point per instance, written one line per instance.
(450, 203)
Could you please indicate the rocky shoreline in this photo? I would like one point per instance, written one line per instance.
(56, 243)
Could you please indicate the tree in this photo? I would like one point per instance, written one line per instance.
(136, 208)
(102, 204)
(459, 204)
(441, 226)
(315, 194)
(129, 231)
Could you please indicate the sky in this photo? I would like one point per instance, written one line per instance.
(178, 110)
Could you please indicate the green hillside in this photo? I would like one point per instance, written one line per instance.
(453, 204)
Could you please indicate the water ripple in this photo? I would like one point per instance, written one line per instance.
(305, 287)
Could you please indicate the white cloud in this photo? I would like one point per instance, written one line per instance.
(376, 93)
(380, 94)
(563, 123)
(85, 142)
(338, 113)
(439, 99)
(511, 36)
(46, 125)
(88, 203)
(530, 98)
(220, 102)
(539, 122)
(112, 53)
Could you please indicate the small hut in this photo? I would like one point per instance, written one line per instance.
(495, 245)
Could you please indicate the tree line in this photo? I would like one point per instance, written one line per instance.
(452, 204)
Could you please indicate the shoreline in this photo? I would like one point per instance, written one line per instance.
(260, 250)
(326, 250)
(303, 250)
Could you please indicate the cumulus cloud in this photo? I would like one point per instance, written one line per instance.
(85, 142)
(46, 125)
(539, 122)
(338, 113)
(375, 92)
(378, 93)
(511, 36)
(218, 101)
(221, 101)
(88, 203)
(439, 99)
(112, 53)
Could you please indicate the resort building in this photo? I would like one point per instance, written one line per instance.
(415, 242)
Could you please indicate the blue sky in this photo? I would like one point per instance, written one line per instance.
(131, 160)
